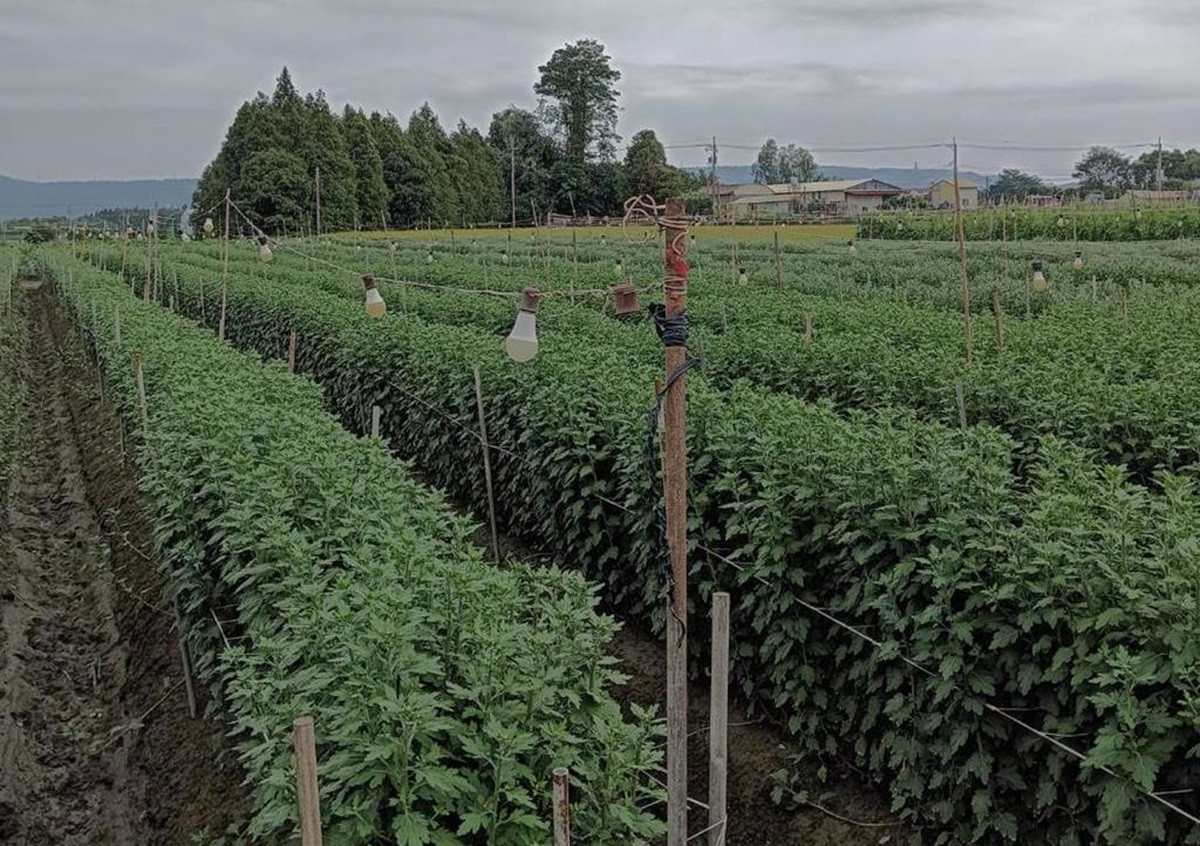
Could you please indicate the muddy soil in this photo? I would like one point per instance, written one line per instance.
(96, 742)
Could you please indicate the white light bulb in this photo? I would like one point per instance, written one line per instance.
(504, 256)
(185, 237)
(429, 258)
(522, 343)
(742, 277)
(853, 249)
(208, 226)
(264, 253)
(1039, 278)
(1078, 263)
(618, 268)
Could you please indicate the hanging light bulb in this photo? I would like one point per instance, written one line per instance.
(742, 276)
(208, 226)
(1039, 279)
(429, 257)
(140, 237)
(128, 232)
(625, 296)
(185, 237)
(1062, 221)
(392, 249)
(522, 343)
(618, 268)
(1078, 263)
(1138, 214)
(504, 256)
(373, 301)
(692, 238)
(853, 249)
(264, 252)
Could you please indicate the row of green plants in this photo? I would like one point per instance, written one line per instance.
(1069, 598)
(12, 357)
(1068, 223)
(1123, 382)
(317, 576)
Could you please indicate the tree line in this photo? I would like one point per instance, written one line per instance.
(372, 171)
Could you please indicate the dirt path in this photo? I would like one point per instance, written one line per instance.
(96, 746)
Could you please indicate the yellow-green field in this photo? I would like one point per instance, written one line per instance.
(792, 232)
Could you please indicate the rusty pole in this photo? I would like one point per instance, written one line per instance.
(675, 491)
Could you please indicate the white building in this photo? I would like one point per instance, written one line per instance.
(842, 198)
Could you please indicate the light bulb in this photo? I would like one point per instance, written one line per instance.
(853, 249)
(742, 276)
(185, 237)
(618, 268)
(208, 226)
(140, 236)
(373, 301)
(392, 249)
(1062, 221)
(522, 343)
(429, 258)
(1039, 278)
(504, 256)
(264, 252)
(1078, 263)
(1138, 214)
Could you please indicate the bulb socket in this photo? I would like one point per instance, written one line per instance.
(625, 295)
(529, 300)
(368, 282)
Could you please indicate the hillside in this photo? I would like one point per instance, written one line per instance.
(21, 198)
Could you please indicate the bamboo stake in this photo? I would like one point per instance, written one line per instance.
(487, 464)
(143, 410)
(117, 325)
(718, 721)
(291, 355)
(224, 273)
(562, 806)
(185, 659)
(778, 269)
(962, 406)
(376, 415)
(574, 265)
(999, 312)
(307, 794)
(962, 257)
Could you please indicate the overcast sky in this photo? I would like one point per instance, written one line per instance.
(146, 88)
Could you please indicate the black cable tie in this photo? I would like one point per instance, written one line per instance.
(672, 331)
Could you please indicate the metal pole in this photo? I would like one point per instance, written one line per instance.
(718, 721)
(962, 257)
(675, 490)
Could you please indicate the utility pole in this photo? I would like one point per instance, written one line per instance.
(512, 178)
(675, 280)
(962, 256)
(712, 179)
(1158, 173)
(318, 201)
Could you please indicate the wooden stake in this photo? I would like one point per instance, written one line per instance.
(144, 411)
(225, 269)
(307, 795)
(962, 257)
(1124, 309)
(574, 264)
(675, 489)
(718, 720)
(376, 415)
(962, 406)
(291, 358)
(999, 312)
(487, 464)
(778, 269)
(808, 335)
(562, 806)
(117, 325)
(185, 658)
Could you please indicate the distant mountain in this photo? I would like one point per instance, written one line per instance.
(22, 198)
(901, 177)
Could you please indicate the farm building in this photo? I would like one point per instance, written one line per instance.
(1137, 197)
(844, 198)
(941, 194)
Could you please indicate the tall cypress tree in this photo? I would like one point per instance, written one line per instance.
(372, 194)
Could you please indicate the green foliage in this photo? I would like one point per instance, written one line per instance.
(784, 164)
(1068, 595)
(1014, 185)
(316, 576)
(40, 233)
(372, 195)
(1082, 223)
(578, 87)
(646, 167)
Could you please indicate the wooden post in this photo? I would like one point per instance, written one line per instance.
(574, 264)
(999, 312)
(962, 257)
(808, 335)
(778, 270)
(117, 325)
(1093, 287)
(225, 270)
(376, 415)
(307, 795)
(1124, 309)
(185, 657)
(962, 406)
(291, 355)
(143, 410)
(718, 720)
(175, 280)
(675, 489)
(562, 806)
(487, 464)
